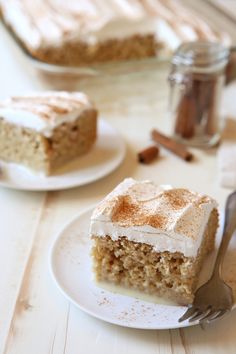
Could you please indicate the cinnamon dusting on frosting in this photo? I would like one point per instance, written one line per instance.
(168, 219)
(43, 112)
(145, 204)
(180, 198)
(133, 213)
(48, 105)
(142, 204)
(51, 23)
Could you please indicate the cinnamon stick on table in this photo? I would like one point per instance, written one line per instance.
(147, 155)
(172, 145)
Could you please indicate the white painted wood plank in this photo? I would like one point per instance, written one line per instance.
(19, 213)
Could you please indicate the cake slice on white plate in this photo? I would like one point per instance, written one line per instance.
(46, 130)
(153, 238)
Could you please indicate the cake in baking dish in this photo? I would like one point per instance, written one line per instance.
(153, 238)
(94, 31)
(44, 131)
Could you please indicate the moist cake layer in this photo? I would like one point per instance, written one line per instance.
(136, 265)
(43, 112)
(168, 219)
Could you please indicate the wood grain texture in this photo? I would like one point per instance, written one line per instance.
(23, 302)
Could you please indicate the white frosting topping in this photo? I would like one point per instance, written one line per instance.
(168, 219)
(42, 23)
(43, 112)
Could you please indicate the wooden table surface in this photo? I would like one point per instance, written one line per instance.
(34, 317)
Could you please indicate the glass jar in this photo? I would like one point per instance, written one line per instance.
(196, 80)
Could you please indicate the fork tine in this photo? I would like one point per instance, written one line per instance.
(222, 313)
(210, 317)
(207, 314)
(197, 315)
(201, 315)
(218, 314)
(213, 315)
(188, 314)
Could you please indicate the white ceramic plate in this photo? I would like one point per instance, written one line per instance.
(70, 266)
(106, 155)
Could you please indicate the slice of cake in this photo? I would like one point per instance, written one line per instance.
(84, 32)
(45, 131)
(153, 239)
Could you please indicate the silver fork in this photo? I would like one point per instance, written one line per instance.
(215, 298)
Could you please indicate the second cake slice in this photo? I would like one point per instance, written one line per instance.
(46, 130)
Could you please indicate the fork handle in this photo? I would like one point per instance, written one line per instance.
(229, 228)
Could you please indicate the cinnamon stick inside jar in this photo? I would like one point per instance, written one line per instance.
(197, 108)
(197, 79)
